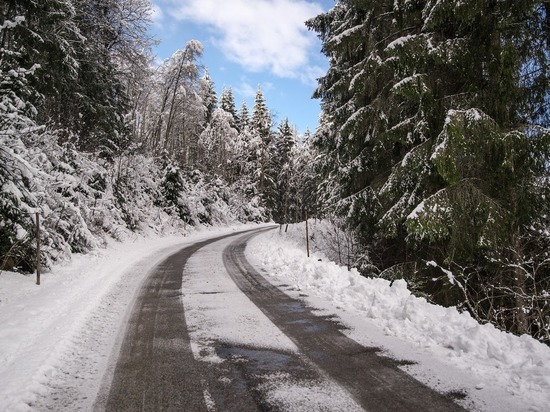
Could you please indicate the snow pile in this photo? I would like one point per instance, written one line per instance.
(521, 365)
(56, 338)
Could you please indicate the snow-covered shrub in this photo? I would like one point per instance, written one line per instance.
(16, 248)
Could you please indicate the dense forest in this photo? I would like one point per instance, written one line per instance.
(101, 141)
(432, 154)
(435, 149)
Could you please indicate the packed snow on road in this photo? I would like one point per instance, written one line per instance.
(56, 338)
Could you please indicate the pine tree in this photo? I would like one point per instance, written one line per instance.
(427, 105)
(98, 100)
(260, 125)
(208, 96)
(243, 117)
(286, 139)
(219, 141)
(227, 103)
(171, 189)
(17, 125)
(261, 121)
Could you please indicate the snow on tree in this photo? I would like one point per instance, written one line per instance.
(208, 95)
(219, 141)
(286, 139)
(69, 93)
(261, 124)
(434, 146)
(179, 111)
(227, 103)
(243, 118)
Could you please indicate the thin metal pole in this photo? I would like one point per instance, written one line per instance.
(37, 248)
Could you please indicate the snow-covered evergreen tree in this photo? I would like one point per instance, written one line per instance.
(261, 121)
(219, 143)
(286, 139)
(261, 124)
(208, 96)
(227, 103)
(427, 106)
(243, 118)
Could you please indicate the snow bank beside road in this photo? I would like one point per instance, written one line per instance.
(55, 338)
(518, 366)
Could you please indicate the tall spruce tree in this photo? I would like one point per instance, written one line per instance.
(436, 147)
(286, 139)
(243, 117)
(208, 96)
(227, 103)
(260, 125)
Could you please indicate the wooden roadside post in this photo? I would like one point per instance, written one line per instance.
(37, 248)
(307, 237)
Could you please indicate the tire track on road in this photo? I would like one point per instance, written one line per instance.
(155, 369)
(374, 381)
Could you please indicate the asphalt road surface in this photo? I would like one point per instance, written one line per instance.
(156, 369)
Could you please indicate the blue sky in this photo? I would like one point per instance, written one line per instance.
(249, 43)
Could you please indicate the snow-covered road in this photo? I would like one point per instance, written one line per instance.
(56, 339)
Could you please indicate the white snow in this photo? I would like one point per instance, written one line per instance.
(400, 41)
(217, 311)
(408, 80)
(498, 370)
(9, 24)
(417, 211)
(346, 33)
(55, 339)
(288, 395)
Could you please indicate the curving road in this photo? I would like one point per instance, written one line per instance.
(157, 369)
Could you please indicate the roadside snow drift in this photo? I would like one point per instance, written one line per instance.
(518, 367)
(56, 338)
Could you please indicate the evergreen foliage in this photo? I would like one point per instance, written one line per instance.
(286, 140)
(435, 148)
(100, 145)
(208, 96)
(227, 103)
(243, 118)
(261, 128)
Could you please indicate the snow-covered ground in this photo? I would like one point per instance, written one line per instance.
(55, 338)
(453, 352)
(216, 310)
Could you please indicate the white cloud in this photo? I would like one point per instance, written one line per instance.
(246, 90)
(310, 75)
(259, 35)
(156, 14)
